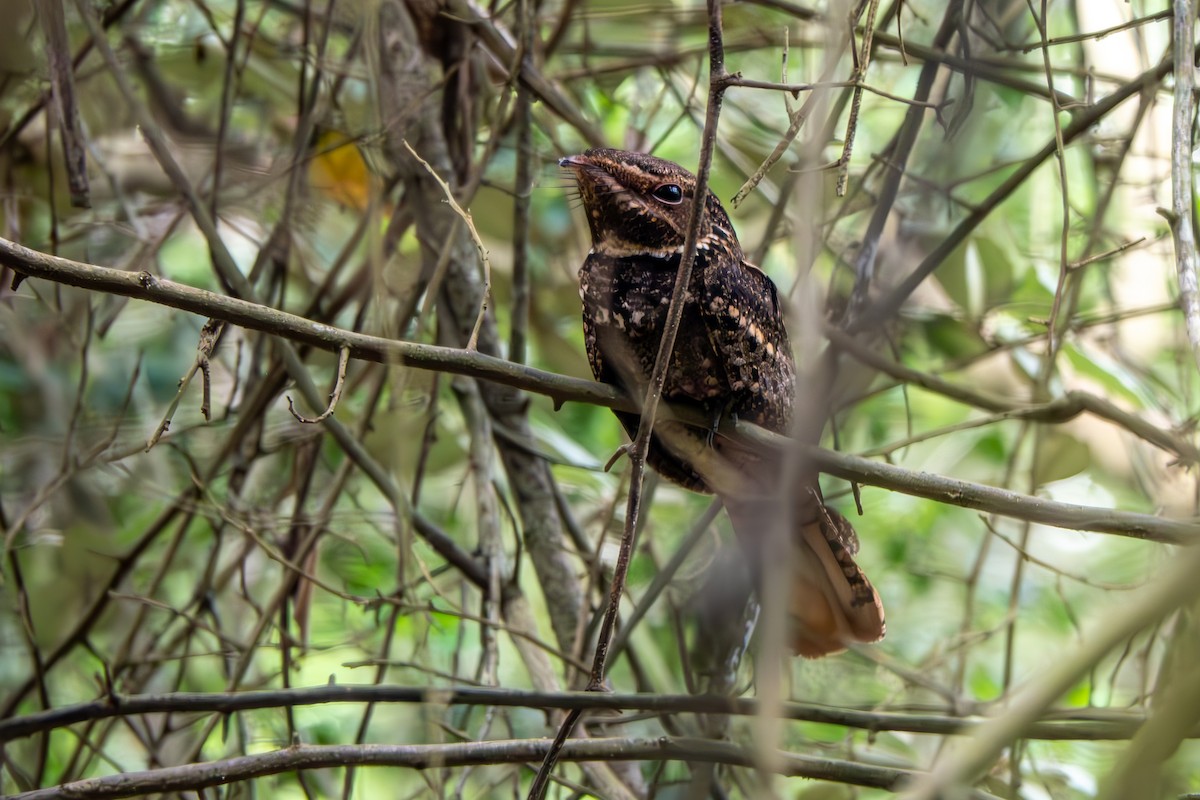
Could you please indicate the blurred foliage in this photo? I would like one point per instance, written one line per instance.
(162, 571)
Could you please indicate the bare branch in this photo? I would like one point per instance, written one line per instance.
(1182, 204)
(486, 296)
(435, 756)
(1086, 724)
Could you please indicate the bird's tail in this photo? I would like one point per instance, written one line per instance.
(830, 601)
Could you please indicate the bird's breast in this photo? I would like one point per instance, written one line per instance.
(625, 306)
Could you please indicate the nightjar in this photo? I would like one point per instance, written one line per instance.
(731, 357)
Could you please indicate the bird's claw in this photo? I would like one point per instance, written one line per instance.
(715, 428)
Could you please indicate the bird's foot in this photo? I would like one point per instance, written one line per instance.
(720, 413)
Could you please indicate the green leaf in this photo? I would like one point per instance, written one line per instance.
(978, 275)
(1110, 374)
(1060, 456)
(951, 338)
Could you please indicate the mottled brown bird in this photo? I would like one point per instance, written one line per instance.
(731, 357)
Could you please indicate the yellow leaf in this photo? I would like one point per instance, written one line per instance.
(338, 171)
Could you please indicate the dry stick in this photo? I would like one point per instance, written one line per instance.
(1099, 212)
(862, 61)
(110, 17)
(1060, 409)
(334, 396)
(503, 46)
(1042, 380)
(795, 119)
(1182, 210)
(522, 190)
(795, 123)
(29, 636)
(989, 70)
(390, 627)
(228, 82)
(795, 89)
(1083, 262)
(991, 499)
(1139, 770)
(51, 15)
(665, 574)
(658, 377)
(1100, 34)
(481, 463)
(303, 133)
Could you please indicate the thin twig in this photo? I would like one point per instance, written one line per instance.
(334, 396)
(795, 123)
(641, 442)
(1100, 34)
(486, 297)
(903, 144)
(210, 333)
(1083, 262)
(862, 61)
(883, 308)
(794, 89)
(51, 16)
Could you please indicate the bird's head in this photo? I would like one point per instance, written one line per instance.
(637, 204)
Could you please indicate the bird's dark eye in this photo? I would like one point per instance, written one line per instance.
(669, 193)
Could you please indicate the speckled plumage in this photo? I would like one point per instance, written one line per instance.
(731, 357)
(732, 354)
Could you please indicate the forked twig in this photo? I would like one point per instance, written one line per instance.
(210, 334)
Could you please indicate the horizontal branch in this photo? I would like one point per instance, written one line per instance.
(144, 286)
(192, 777)
(1090, 725)
(1060, 409)
(993, 500)
(560, 388)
